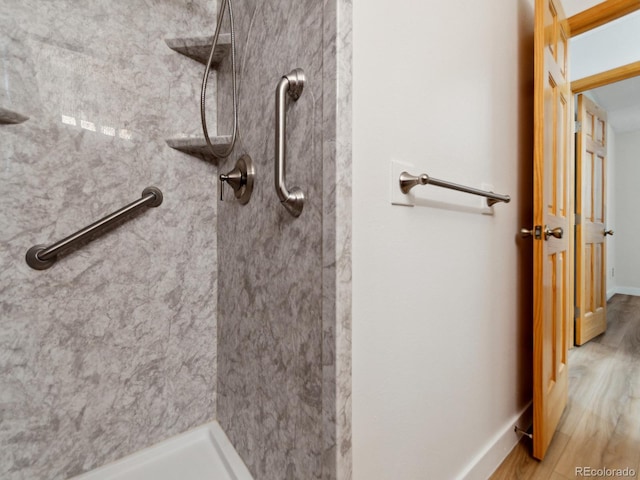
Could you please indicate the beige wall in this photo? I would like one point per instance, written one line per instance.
(441, 292)
(627, 224)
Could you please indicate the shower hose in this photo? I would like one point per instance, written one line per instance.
(203, 92)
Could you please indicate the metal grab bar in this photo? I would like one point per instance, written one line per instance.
(293, 83)
(42, 257)
(408, 181)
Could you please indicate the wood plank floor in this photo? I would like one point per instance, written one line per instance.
(600, 427)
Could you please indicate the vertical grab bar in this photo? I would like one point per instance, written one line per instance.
(292, 83)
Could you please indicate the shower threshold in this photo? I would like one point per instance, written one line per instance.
(204, 453)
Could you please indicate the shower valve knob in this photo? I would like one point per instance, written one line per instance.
(240, 179)
(234, 178)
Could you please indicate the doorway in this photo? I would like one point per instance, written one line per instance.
(607, 105)
(554, 175)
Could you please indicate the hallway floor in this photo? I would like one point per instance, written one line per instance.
(600, 427)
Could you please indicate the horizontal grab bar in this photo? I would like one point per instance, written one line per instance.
(42, 257)
(408, 181)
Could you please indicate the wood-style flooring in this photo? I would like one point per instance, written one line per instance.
(600, 427)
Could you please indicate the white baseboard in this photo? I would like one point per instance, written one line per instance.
(484, 464)
(610, 293)
(624, 291)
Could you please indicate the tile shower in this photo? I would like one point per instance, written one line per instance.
(197, 309)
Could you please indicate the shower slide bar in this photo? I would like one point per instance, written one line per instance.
(408, 181)
(292, 83)
(41, 257)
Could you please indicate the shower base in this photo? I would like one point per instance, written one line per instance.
(204, 453)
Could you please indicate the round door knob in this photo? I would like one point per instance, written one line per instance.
(556, 232)
(608, 232)
(524, 233)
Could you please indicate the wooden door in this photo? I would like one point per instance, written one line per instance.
(591, 270)
(553, 218)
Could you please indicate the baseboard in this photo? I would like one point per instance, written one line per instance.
(499, 447)
(610, 293)
(626, 291)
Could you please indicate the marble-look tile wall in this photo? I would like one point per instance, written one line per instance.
(113, 348)
(284, 282)
(337, 58)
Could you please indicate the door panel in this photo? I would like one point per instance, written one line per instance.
(553, 210)
(591, 158)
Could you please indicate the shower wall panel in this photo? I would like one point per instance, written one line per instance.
(336, 228)
(113, 348)
(284, 282)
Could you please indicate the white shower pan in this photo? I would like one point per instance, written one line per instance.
(204, 453)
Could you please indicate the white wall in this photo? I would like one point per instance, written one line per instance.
(441, 293)
(610, 214)
(572, 7)
(627, 222)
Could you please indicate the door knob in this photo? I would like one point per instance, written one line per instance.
(556, 232)
(608, 232)
(535, 232)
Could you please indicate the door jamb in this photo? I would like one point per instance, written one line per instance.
(600, 14)
(605, 78)
(582, 22)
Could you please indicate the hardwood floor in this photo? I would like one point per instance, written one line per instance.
(600, 427)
